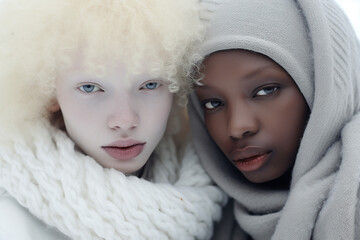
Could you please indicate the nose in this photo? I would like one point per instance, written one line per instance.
(124, 116)
(242, 122)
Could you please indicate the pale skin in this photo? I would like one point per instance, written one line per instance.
(118, 123)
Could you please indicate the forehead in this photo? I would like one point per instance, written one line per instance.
(238, 64)
(237, 60)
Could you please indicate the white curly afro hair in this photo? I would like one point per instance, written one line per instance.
(38, 39)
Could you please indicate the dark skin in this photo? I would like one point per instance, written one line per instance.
(254, 112)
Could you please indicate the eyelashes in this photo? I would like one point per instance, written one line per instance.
(211, 104)
(266, 91)
(261, 92)
(150, 85)
(89, 88)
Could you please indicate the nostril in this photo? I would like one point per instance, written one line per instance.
(247, 133)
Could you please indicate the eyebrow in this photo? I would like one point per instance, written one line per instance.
(257, 71)
(248, 76)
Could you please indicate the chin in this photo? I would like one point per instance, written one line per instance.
(127, 170)
(131, 170)
(277, 181)
(259, 177)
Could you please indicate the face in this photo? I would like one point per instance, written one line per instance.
(254, 112)
(118, 123)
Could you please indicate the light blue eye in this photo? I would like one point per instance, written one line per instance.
(266, 91)
(212, 104)
(151, 85)
(89, 88)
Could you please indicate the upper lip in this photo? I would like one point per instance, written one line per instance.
(242, 154)
(124, 143)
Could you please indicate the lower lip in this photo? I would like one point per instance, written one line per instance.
(124, 154)
(252, 164)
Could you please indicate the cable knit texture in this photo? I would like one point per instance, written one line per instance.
(73, 193)
(41, 168)
(322, 202)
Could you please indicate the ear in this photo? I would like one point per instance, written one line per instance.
(54, 106)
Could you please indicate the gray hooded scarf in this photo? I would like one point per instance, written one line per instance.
(315, 43)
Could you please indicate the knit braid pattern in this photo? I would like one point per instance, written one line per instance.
(73, 193)
(330, 163)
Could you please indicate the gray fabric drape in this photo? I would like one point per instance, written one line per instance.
(322, 200)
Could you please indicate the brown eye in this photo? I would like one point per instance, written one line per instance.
(267, 91)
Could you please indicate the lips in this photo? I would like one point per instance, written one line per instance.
(250, 158)
(124, 149)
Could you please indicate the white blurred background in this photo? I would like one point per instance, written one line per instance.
(352, 8)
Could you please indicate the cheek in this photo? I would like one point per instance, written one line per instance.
(159, 108)
(75, 107)
(155, 112)
(76, 114)
(300, 113)
(287, 129)
(81, 120)
(216, 126)
(287, 115)
(297, 116)
(74, 123)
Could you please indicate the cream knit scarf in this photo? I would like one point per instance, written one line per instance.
(73, 193)
(322, 202)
